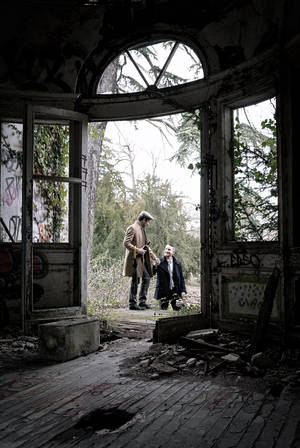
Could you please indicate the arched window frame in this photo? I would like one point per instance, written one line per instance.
(152, 88)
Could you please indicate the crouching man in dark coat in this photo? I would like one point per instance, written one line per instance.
(170, 282)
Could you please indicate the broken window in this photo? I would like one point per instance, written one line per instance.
(11, 182)
(255, 172)
(154, 66)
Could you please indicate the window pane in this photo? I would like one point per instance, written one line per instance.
(255, 172)
(122, 75)
(51, 150)
(185, 66)
(152, 58)
(129, 79)
(11, 181)
(50, 212)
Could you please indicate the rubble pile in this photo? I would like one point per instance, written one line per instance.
(202, 354)
(209, 352)
(15, 348)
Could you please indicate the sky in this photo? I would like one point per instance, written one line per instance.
(147, 142)
(148, 145)
(256, 113)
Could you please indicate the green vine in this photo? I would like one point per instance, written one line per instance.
(51, 158)
(8, 154)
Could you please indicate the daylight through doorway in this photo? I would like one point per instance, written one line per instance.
(153, 165)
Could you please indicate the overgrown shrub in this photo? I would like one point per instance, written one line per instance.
(107, 288)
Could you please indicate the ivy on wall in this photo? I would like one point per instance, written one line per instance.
(8, 154)
(51, 158)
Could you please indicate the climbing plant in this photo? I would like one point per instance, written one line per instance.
(51, 158)
(255, 181)
(9, 154)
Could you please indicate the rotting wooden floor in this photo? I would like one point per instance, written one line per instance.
(41, 403)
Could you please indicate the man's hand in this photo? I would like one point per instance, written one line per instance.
(157, 261)
(140, 251)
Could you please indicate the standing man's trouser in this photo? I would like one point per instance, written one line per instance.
(143, 290)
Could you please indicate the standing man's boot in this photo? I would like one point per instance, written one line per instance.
(134, 306)
(142, 303)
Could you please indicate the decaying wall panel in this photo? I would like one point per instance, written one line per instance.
(54, 285)
(237, 271)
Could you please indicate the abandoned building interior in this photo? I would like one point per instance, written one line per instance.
(53, 58)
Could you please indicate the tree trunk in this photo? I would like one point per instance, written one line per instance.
(93, 163)
(95, 147)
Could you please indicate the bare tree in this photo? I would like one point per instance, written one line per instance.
(95, 148)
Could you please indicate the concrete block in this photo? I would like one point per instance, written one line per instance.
(68, 339)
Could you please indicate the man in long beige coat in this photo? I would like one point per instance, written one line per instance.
(135, 242)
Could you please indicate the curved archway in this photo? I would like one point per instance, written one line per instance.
(103, 55)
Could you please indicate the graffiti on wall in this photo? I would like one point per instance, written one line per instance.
(238, 259)
(244, 259)
(15, 227)
(243, 296)
(12, 189)
(11, 179)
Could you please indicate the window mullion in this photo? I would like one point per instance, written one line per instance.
(71, 180)
(138, 68)
(166, 63)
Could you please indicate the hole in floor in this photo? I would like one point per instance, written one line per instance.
(104, 419)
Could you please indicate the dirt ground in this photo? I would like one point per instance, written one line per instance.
(193, 295)
(191, 303)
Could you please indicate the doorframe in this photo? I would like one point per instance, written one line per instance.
(78, 150)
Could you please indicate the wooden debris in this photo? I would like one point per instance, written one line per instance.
(206, 334)
(215, 367)
(265, 310)
(163, 368)
(231, 357)
(202, 345)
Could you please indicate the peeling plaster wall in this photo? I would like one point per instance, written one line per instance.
(46, 48)
(245, 32)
